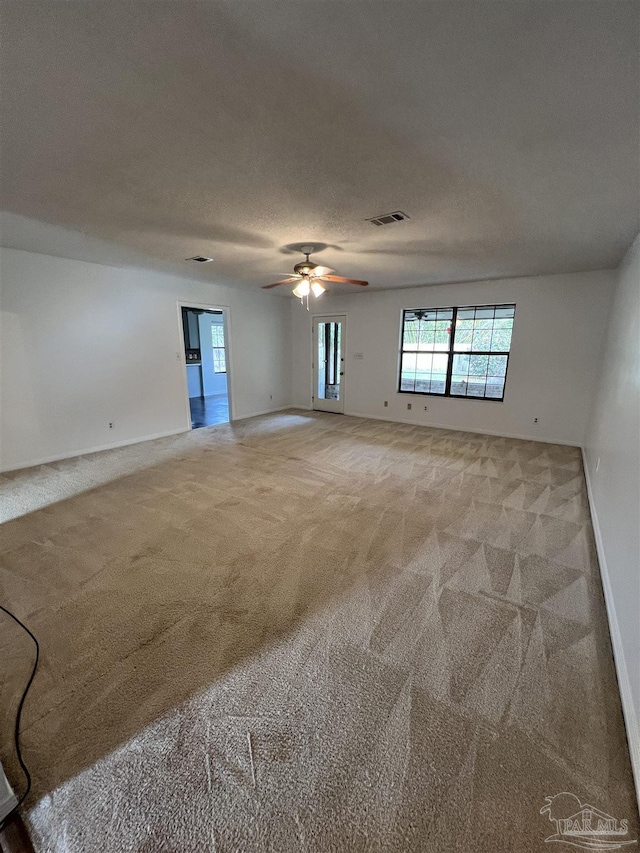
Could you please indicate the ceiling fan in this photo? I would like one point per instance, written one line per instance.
(309, 278)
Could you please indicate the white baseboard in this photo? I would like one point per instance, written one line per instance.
(31, 463)
(265, 412)
(624, 684)
(459, 429)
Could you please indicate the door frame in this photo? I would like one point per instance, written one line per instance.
(320, 316)
(226, 324)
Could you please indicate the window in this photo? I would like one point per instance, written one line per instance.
(217, 341)
(456, 352)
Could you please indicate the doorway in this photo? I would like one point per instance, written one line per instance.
(206, 362)
(328, 363)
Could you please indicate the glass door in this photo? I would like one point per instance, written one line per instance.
(328, 363)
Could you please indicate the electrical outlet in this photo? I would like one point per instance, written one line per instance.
(535, 420)
(426, 408)
(110, 424)
(386, 403)
(408, 405)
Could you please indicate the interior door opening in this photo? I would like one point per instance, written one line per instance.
(206, 355)
(328, 364)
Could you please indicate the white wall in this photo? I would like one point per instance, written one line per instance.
(212, 382)
(84, 344)
(555, 355)
(613, 438)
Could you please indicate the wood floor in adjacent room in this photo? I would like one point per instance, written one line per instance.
(309, 632)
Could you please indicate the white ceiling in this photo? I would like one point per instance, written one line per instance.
(508, 131)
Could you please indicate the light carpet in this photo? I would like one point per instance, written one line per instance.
(309, 632)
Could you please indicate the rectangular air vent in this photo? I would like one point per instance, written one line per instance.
(388, 218)
(200, 259)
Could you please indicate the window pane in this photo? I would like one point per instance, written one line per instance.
(475, 388)
(463, 340)
(485, 313)
(217, 341)
(410, 334)
(423, 362)
(427, 336)
(440, 364)
(459, 385)
(466, 325)
(478, 365)
(466, 314)
(442, 335)
(409, 362)
(501, 340)
(439, 373)
(427, 314)
(497, 365)
(495, 387)
(481, 340)
(461, 365)
(505, 311)
(407, 383)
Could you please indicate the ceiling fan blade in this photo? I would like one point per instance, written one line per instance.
(340, 280)
(278, 283)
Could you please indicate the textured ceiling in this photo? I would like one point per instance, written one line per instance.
(507, 131)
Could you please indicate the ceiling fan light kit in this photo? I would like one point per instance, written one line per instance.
(302, 289)
(309, 278)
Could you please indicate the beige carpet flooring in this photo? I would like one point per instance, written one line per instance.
(308, 632)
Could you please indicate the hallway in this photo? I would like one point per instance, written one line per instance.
(208, 411)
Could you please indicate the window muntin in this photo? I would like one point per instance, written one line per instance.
(456, 352)
(217, 342)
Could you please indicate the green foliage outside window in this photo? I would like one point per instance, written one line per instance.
(456, 352)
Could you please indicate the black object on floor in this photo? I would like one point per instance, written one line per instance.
(14, 837)
(207, 411)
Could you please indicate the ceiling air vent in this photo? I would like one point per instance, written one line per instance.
(388, 218)
(200, 259)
